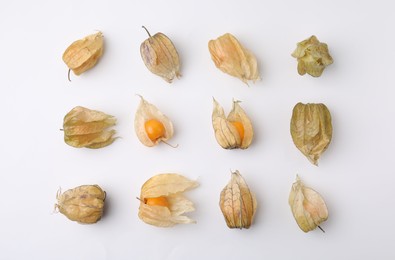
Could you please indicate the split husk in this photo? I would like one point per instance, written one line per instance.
(160, 56)
(83, 54)
(238, 204)
(83, 204)
(312, 56)
(308, 207)
(232, 58)
(171, 187)
(83, 127)
(311, 129)
(145, 112)
(227, 134)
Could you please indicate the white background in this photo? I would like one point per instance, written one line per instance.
(355, 175)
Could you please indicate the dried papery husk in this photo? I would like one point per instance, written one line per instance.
(311, 129)
(226, 134)
(232, 58)
(83, 204)
(238, 204)
(171, 186)
(308, 207)
(88, 128)
(147, 111)
(83, 54)
(312, 56)
(160, 56)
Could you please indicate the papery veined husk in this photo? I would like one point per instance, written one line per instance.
(311, 129)
(83, 54)
(84, 127)
(238, 204)
(83, 204)
(313, 56)
(160, 56)
(232, 58)
(307, 206)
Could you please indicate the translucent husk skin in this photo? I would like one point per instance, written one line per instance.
(307, 206)
(238, 204)
(83, 54)
(313, 57)
(171, 186)
(232, 58)
(226, 133)
(145, 112)
(88, 128)
(311, 129)
(160, 56)
(83, 204)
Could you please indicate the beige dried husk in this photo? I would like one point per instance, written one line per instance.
(313, 56)
(83, 127)
(232, 58)
(83, 54)
(225, 132)
(160, 56)
(145, 112)
(171, 186)
(238, 204)
(83, 204)
(308, 207)
(311, 129)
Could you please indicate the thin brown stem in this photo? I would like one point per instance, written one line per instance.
(68, 75)
(146, 31)
(321, 229)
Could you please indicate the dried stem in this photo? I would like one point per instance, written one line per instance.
(68, 75)
(321, 229)
(146, 31)
(173, 146)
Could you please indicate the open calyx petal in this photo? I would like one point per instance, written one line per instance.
(149, 119)
(169, 187)
(232, 131)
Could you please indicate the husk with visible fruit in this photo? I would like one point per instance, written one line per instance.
(147, 111)
(172, 187)
(226, 133)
